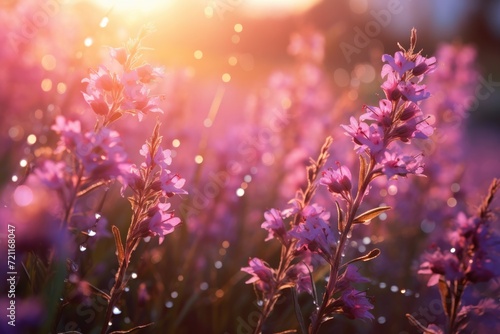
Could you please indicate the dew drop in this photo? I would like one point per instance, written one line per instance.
(91, 233)
(116, 310)
(97, 216)
(83, 247)
(133, 275)
(110, 323)
(127, 289)
(453, 250)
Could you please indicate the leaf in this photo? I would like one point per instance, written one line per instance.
(340, 217)
(119, 245)
(298, 312)
(362, 171)
(367, 257)
(444, 291)
(370, 214)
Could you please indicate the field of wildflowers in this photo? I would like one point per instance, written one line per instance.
(238, 167)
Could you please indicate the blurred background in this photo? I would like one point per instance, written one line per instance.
(252, 88)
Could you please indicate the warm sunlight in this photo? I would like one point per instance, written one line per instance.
(134, 6)
(263, 8)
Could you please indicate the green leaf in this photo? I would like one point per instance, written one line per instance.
(370, 214)
(119, 245)
(340, 217)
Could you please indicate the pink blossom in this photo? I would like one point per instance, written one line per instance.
(263, 276)
(161, 222)
(275, 226)
(338, 181)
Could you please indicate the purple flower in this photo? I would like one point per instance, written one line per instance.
(350, 276)
(356, 305)
(262, 275)
(171, 183)
(398, 64)
(275, 226)
(424, 65)
(338, 181)
(381, 114)
(159, 222)
(440, 263)
(365, 136)
(394, 164)
(299, 274)
(52, 174)
(315, 234)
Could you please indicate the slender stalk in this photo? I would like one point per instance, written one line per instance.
(335, 266)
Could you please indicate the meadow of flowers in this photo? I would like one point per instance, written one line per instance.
(157, 188)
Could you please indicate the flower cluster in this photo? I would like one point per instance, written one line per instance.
(152, 184)
(111, 94)
(398, 118)
(473, 257)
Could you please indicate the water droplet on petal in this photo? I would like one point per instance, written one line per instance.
(91, 233)
(116, 310)
(83, 247)
(134, 275)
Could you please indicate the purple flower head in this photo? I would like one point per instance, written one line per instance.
(365, 136)
(481, 318)
(391, 87)
(395, 164)
(70, 132)
(139, 101)
(381, 114)
(161, 157)
(440, 263)
(171, 183)
(52, 174)
(413, 92)
(102, 155)
(159, 222)
(398, 64)
(350, 276)
(424, 65)
(356, 305)
(299, 274)
(275, 226)
(315, 234)
(263, 276)
(338, 181)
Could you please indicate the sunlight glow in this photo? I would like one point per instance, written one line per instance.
(262, 8)
(133, 5)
